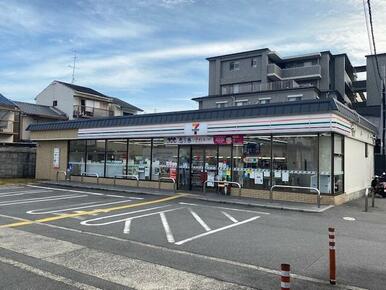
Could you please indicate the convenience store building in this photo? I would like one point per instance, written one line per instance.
(310, 143)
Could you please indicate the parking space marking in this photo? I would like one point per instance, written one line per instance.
(169, 234)
(16, 193)
(40, 199)
(199, 220)
(65, 216)
(216, 231)
(227, 208)
(87, 192)
(230, 217)
(87, 222)
(82, 206)
(126, 229)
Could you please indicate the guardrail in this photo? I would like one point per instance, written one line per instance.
(57, 175)
(224, 182)
(167, 178)
(295, 187)
(128, 176)
(89, 174)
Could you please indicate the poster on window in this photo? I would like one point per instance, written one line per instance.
(210, 179)
(259, 178)
(285, 176)
(56, 158)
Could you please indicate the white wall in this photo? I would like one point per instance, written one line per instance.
(59, 92)
(359, 170)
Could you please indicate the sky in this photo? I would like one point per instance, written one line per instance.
(152, 53)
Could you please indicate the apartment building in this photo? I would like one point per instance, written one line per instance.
(9, 121)
(262, 76)
(80, 102)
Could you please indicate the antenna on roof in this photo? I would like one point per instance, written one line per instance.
(73, 66)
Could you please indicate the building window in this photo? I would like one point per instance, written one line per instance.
(325, 156)
(77, 157)
(95, 162)
(294, 98)
(366, 150)
(234, 65)
(252, 162)
(295, 160)
(236, 89)
(254, 62)
(220, 105)
(55, 103)
(138, 163)
(116, 157)
(338, 163)
(164, 160)
(241, 102)
(264, 101)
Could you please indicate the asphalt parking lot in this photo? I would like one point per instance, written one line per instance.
(84, 239)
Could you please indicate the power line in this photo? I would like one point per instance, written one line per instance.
(373, 38)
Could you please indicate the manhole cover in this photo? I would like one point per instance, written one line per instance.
(348, 218)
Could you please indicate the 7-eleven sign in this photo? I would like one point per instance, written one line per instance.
(196, 128)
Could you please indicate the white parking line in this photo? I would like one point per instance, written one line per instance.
(199, 220)
(227, 208)
(169, 234)
(40, 199)
(216, 230)
(126, 229)
(85, 205)
(87, 192)
(230, 217)
(15, 193)
(87, 222)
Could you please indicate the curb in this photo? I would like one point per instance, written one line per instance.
(196, 197)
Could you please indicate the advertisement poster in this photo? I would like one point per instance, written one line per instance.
(285, 176)
(210, 179)
(56, 158)
(173, 173)
(259, 179)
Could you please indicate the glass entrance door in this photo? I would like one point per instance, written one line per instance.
(198, 175)
(197, 164)
(184, 168)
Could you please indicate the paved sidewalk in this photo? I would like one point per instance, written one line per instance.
(212, 197)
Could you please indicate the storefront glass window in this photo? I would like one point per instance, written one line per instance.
(96, 157)
(325, 152)
(116, 157)
(77, 154)
(295, 160)
(338, 164)
(224, 162)
(164, 160)
(252, 162)
(139, 158)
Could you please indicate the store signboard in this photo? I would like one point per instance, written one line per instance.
(196, 128)
(192, 140)
(56, 158)
(228, 139)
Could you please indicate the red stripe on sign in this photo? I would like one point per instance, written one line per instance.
(331, 229)
(285, 279)
(331, 236)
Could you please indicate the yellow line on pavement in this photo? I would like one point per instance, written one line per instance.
(95, 211)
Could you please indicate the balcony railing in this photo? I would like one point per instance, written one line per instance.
(91, 112)
(274, 72)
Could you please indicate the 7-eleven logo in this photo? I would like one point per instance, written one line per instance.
(195, 127)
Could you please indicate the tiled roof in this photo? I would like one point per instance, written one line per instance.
(82, 89)
(229, 113)
(6, 102)
(41, 111)
(125, 105)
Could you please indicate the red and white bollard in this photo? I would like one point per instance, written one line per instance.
(285, 276)
(331, 243)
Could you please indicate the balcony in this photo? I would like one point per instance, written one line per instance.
(91, 112)
(274, 72)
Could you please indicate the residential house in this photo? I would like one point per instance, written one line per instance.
(80, 102)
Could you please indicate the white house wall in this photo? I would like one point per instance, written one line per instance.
(60, 93)
(359, 170)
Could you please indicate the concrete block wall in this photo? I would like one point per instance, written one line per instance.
(17, 161)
